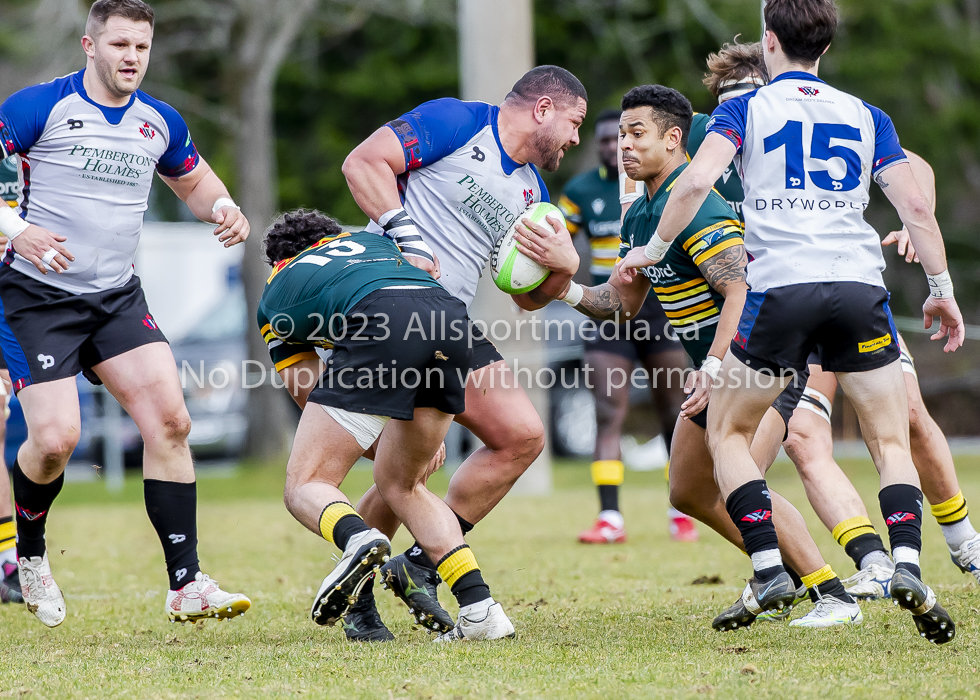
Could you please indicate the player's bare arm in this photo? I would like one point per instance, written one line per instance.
(207, 197)
(725, 273)
(371, 170)
(550, 246)
(689, 193)
(902, 190)
(926, 179)
(604, 301)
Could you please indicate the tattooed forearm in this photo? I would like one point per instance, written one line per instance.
(600, 302)
(725, 268)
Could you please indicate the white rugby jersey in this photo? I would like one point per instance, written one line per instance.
(461, 188)
(87, 174)
(806, 154)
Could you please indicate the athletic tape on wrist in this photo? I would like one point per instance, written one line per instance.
(399, 227)
(629, 197)
(711, 366)
(224, 202)
(11, 225)
(574, 294)
(941, 285)
(657, 248)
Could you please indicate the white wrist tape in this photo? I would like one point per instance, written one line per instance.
(629, 197)
(11, 225)
(224, 202)
(657, 248)
(574, 294)
(941, 285)
(711, 366)
(399, 227)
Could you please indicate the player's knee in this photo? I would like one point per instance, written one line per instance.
(609, 414)
(177, 426)
(55, 445)
(918, 419)
(524, 442)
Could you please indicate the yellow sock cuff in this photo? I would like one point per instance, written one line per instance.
(951, 511)
(820, 576)
(8, 535)
(607, 472)
(331, 514)
(458, 562)
(847, 530)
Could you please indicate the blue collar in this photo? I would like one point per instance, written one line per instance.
(796, 75)
(113, 115)
(507, 163)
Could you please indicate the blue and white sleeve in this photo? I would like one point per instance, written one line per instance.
(181, 156)
(22, 119)
(888, 151)
(435, 129)
(729, 119)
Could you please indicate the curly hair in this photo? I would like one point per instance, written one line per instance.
(670, 108)
(734, 61)
(295, 231)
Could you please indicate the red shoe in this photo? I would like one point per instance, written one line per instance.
(682, 528)
(603, 532)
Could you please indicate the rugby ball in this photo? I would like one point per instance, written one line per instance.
(511, 270)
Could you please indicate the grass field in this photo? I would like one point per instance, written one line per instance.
(617, 622)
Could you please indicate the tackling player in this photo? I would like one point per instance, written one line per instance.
(91, 142)
(703, 278)
(445, 181)
(590, 203)
(385, 378)
(816, 282)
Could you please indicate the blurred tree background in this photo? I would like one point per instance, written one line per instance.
(350, 65)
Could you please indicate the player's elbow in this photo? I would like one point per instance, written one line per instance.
(525, 302)
(353, 164)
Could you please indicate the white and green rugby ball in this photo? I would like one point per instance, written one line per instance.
(511, 270)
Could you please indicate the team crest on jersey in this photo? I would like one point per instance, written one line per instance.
(809, 91)
(147, 131)
(529, 197)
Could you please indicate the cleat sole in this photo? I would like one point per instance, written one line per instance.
(331, 604)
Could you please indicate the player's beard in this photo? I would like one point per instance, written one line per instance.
(108, 78)
(548, 148)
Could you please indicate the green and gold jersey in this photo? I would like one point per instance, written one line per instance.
(11, 184)
(307, 297)
(690, 303)
(590, 203)
(729, 185)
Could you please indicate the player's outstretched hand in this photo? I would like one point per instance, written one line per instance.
(951, 324)
(35, 242)
(900, 239)
(232, 228)
(550, 246)
(698, 388)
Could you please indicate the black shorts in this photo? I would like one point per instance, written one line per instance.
(384, 365)
(849, 324)
(784, 404)
(47, 333)
(648, 334)
(484, 351)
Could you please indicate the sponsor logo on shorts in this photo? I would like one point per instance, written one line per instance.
(876, 344)
(757, 516)
(900, 517)
(47, 361)
(740, 340)
(150, 323)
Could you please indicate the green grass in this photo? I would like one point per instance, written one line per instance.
(620, 622)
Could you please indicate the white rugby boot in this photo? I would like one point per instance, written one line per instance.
(830, 612)
(41, 593)
(967, 557)
(481, 621)
(871, 582)
(201, 599)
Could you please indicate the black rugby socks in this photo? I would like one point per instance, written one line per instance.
(31, 504)
(172, 508)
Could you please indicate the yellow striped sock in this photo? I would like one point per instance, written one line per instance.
(847, 530)
(331, 514)
(819, 576)
(8, 534)
(607, 472)
(458, 562)
(951, 511)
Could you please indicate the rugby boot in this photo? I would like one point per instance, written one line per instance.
(932, 621)
(603, 532)
(41, 593)
(871, 582)
(362, 623)
(782, 615)
(967, 557)
(775, 594)
(203, 599)
(365, 552)
(481, 621)
(10, 584)
(682, 528)
(416, 586)
(830, 612)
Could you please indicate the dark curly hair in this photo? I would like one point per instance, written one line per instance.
(295, 231)
(670, 108)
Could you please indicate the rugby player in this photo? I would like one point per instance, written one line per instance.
(11, 190)
(815, 279)
(445, 181)
(590, 203)
(703, 278)
(385, 378)
(739, 69)
(69, 300)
